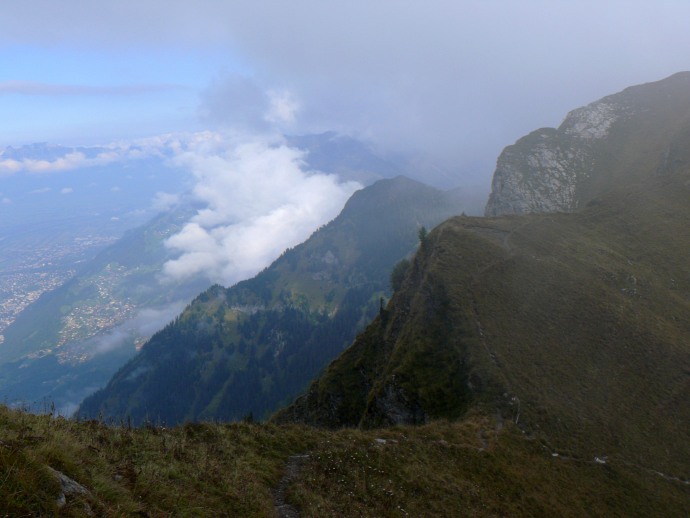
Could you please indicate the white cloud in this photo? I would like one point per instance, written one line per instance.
(256, 198)
(22, 160)
(146, 322)
(258, 202)
(283, 107)
(9, 166)
(164, 201)
(70, 161)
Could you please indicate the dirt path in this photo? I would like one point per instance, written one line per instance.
(282, 509)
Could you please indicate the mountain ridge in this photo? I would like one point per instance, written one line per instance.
(571, 323)
(493, 337)
(247, 349)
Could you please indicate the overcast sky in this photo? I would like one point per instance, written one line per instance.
(454, 81)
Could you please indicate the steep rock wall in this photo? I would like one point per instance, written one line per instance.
(598, 146)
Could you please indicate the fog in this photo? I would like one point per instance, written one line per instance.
(144, 324)
(451, 82)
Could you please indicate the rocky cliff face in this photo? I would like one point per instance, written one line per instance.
(560, 170)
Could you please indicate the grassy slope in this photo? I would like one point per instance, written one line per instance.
(574, 325)
(585, 319)
(472, 468)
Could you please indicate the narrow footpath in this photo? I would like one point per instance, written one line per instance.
(292, 468)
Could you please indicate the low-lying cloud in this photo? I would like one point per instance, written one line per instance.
(69, 161)
(258, 200)
(256, 195)
(65, 163)
(164, 201)
(51, 158)
(146, 322)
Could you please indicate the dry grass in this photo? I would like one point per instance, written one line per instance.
(468, 468)
(195, 469)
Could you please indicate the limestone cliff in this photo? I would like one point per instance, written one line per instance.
(613, 140)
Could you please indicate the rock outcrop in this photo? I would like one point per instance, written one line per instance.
(596, 147)
(72, 489)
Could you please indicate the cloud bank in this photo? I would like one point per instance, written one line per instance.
(47, 158)
(255, 194)
(50, 158)
(258, 201)
(454, 80)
